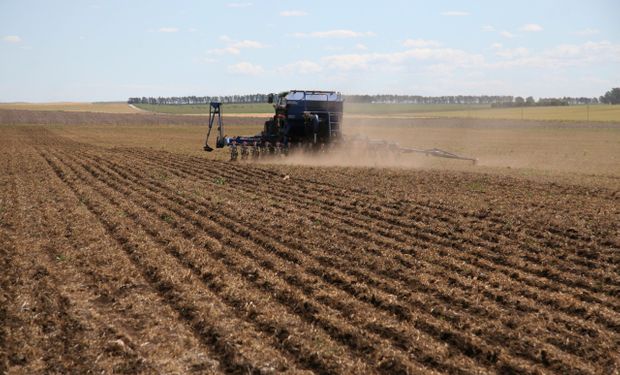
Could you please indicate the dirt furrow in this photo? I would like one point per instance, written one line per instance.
(458, 243)
(101, 161)
(563, 346)
(306, 303)
(10, 320)
(423, 240)
(445, 212)
(141, 261)
(449, 212)
(136, 326)
(212, 323)
(48, 332)
(401, 222)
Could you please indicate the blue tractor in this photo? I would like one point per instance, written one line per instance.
(308, 119)
(304, 120)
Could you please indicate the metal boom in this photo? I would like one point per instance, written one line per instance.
(215, 110)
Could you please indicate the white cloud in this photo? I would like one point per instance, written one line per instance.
(564, 55)
(455, 13)
(507, 34)
(348, 61)
(565, 51)
(496, 45)
(511, 53)
(224, 51)
(587, 51)
(238, 5)
(334, 34)
(168, 30)
(531, 27)
(301, 67)
(12, 39)
(421, 43)
(293, 13)
(448, 55)
(234, 47)
(586, 32)
(248, 44)
(488, 28)
(360, 47)
(367, 61)
(245, 68)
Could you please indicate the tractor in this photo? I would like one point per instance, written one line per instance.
(309, 119)
(303, 120)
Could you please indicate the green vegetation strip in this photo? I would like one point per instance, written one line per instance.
(609, 113)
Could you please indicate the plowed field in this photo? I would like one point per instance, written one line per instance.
(131, 260)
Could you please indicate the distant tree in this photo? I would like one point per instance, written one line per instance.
(611, 97)
(530, 101)
(551, 102)
(496, 101)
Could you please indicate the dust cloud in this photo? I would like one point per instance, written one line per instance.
(376, 144)
(505, 146)
(349, 156)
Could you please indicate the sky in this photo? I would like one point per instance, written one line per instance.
(108, 50)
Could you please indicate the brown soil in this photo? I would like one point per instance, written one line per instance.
(15, 117)
(140, 261)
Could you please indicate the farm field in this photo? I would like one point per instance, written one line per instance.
(125, 250)
(201, 109)
(565, 113)
(576, 151)
(604, 113)
(107, 107)
(578, 113)
(572, 150)
(351, 108)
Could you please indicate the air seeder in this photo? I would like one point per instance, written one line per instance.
(304, 121)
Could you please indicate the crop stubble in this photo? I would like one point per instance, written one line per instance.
(134, 260)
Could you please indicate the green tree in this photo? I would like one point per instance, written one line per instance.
(519, 101)
(530, 101)
(611, 97)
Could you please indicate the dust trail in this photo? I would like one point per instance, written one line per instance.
(357, 152)
(348, 157)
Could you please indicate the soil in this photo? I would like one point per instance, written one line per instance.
(133, 260)
(16, 116)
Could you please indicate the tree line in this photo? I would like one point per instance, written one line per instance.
(262, 98)
(251, 98)
(611, 97)
(546, 102)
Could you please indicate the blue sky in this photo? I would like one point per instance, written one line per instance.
(94, 50)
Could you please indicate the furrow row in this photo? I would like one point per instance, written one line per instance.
(422, 239)
(290, 276)
(211, 321)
